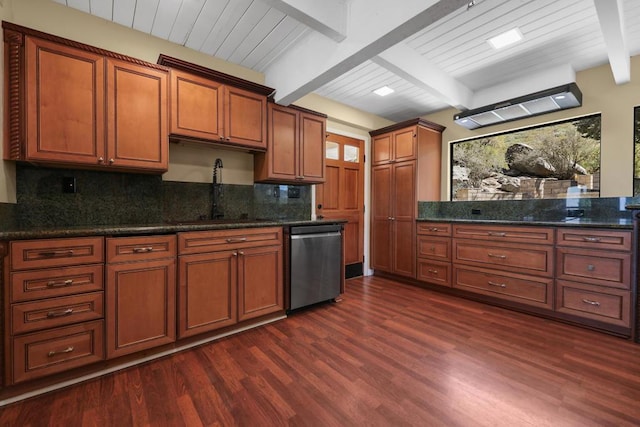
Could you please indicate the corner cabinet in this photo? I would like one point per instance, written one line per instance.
(209, 106)
(295, 147)
(70, 104)
(405, 169)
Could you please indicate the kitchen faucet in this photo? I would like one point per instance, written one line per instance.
(217, 190)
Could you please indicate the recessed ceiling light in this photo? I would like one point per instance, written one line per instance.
(383, 91)
(505, 39)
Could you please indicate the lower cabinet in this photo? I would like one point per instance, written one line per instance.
(141, 293)
(581, 275)
(227, 277)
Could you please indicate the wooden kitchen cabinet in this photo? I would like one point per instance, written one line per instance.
(594, 275)
(513, 264)
(140, 294)
(137, 130)
(75, 105)
(296, 147)
(433, 246)
(228, 276)
(209, 106)
(53, 306)
(406, 169)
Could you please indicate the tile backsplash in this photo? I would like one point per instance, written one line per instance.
(109, 198)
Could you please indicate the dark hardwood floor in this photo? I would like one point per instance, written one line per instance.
(387, 355)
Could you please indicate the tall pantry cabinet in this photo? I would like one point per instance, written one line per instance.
(405, 169)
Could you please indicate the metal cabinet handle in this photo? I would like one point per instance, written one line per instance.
(234, 254)
(54, 284)
(588, 301)
(240, 253)
(143, 250)
(66, 350)
(432, 248)
(497, 256)
(237, 240)
(591, 267)
(68, 252)
(61, 313)
(100, 159)
(591, 239)
(433, 271)
(496, 234)
(111, 161)
(500, 285)
(435, 229)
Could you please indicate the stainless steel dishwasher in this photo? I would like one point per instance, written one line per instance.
(315, 264)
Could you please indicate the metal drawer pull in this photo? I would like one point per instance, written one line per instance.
(432, 248)
(500, 285)
(239, 240)
(496, 234)
(142, 250)
(66, 312)
(435, 229)
(68, 252)
(66, 350)
(591, 267)
(591, 239)
(498, 256)
(54, 284)
(433, 271)
(586, 301)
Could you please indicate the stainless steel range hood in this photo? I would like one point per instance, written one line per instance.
(545, 101)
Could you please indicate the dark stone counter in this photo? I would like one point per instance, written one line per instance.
(621, 223)
(147, 229)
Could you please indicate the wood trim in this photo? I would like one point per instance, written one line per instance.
(14, 130)
(407, 123)
(71, 43)
(218, 76)
(301, 109)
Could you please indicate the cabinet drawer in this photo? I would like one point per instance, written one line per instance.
(535, 235)
(434, 247)
(596, 239)
(48, 352)
(434, 228)
(594, 302)
(211, 241)
(438, 273)
(56, 282)
(604, 268)
(54, 312)
(123, 249)
(529, 259)
(56, 252)
(535, 291)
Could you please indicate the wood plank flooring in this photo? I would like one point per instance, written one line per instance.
(387, 355)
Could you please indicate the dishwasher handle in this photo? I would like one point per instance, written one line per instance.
(315, 235)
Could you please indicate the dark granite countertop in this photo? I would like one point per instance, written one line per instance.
(146, 229)
(621, 223)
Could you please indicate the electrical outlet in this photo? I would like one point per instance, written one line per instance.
(69, 184)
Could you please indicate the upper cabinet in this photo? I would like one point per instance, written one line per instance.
(71, 104)
(296, 147)
(209, 106)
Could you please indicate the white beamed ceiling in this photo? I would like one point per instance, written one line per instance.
(432, 53)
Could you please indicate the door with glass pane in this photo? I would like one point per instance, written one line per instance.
(342, 195)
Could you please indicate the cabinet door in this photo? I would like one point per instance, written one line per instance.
(140, 306)
(404, 145)
(381, 148)
(207, 292)
(403, 218)
(197, 106)
(137, 134)
(260, 284)
(283, 143)
(245, 118)
(65, 104)
(312, 148)
(381, 179)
